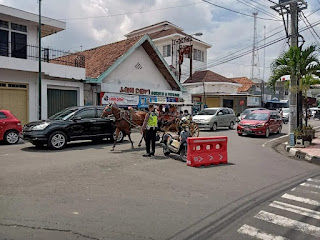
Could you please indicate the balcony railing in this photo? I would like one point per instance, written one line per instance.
(49, 55)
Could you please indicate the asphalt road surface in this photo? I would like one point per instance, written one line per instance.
(88, 192)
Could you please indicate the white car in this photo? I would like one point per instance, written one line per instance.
(313, 111)
(215, 117)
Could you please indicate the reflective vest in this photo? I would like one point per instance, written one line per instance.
(153, 120)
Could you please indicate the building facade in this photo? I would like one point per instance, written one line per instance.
(62, 84)
(177, 48)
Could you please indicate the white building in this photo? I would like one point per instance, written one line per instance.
(165, 36)
(61, 80)
(130, 72)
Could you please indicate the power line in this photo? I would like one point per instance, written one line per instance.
(258, 8)
(310, 25)
(234, 11)
(219, 62)
(304, 21)
(128, 13)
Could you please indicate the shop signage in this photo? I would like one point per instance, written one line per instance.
(165, 94)
(119, 99)
(132, 90)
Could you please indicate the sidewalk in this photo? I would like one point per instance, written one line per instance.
(310, 154)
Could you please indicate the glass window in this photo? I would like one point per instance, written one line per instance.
(166, 51)
(225, 111)
(2, 115)
(18, 27)
(257, 116)
(4, 24)
(208, 112)
(18, 45)
(4, 43)
(230, 111)
(64, 115)
(87, 113)
(99, 112)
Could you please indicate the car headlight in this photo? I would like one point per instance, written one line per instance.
(260, 125)
(240, 124)
(41, 126)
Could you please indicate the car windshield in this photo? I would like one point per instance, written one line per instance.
(257, 116)
(245, 112)
(208, 112)
(64, 115)
(286, 110)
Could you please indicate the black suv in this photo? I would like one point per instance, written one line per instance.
(74, 123)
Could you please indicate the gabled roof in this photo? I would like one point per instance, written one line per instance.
(208, 76)
(163, 23)
(101, 61)
(245, 82)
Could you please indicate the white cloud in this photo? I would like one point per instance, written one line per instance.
(225, 31)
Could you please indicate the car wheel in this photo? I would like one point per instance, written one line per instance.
(120, 136)
(267, 133)
(231, 125)
(214, 127)
(11, 137)
(57, 140)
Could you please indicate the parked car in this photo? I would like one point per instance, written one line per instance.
(260, 122)
(215, 117)
(247, 111)
(285, 115)
(10, 127)
(313, 111)
(75, 123)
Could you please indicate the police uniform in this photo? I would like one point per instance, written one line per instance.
(151, 125)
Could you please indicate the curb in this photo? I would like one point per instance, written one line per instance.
(295, 152)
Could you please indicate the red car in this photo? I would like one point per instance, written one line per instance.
(260, 122)
(10, 127)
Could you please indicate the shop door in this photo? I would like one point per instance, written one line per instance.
(14, 97)
(228, 103)
(60, 99)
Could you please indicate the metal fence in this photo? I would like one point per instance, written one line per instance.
(47, 54)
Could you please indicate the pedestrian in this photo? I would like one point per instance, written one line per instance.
(187, 115)
(150, 125)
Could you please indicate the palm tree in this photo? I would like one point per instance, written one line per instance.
(303, 63)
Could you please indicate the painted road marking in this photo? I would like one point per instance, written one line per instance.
(296, 209)
(257, 233)
(301, 199)
(310, 185)
(263, 145)
(289, 223)
(313, 180)
(304, 191)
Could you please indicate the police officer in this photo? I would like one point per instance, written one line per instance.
(150, 124)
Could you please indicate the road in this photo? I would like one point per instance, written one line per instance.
(88, 192)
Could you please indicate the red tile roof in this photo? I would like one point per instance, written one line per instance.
(245, 82)
(208, 76)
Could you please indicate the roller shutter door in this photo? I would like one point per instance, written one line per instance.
(14, 97)
(213, 102)
(59, 99)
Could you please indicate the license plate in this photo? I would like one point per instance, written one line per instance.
(247, 130)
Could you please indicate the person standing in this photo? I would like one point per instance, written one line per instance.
(150, 125)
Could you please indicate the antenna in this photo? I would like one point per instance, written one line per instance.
(255, 69)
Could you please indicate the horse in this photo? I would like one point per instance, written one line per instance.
(124, 120)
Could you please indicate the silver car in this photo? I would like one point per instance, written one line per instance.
(215, 117)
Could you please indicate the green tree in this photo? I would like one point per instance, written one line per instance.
(303, 63)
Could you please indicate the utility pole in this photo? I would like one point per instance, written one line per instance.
(255, 70)
(264, 66)
(292, 7)
(39, 38)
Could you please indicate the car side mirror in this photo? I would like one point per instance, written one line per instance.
(77, 119)
(220, 113)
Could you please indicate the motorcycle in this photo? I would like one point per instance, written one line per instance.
(176, 144)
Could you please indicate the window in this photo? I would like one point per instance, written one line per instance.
(18, 45)
(2, 115)
(87, 113)
(18, 27)
(166, 51)
(99, 112)
(4, 43)
(198, 55)
(225, 111)
(230, 111)
(4, 24)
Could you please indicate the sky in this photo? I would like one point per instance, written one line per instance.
(91, 23)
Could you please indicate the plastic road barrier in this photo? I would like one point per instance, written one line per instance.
(204, 151)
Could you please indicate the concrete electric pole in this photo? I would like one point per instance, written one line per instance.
(292, 8)
(39, 56)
